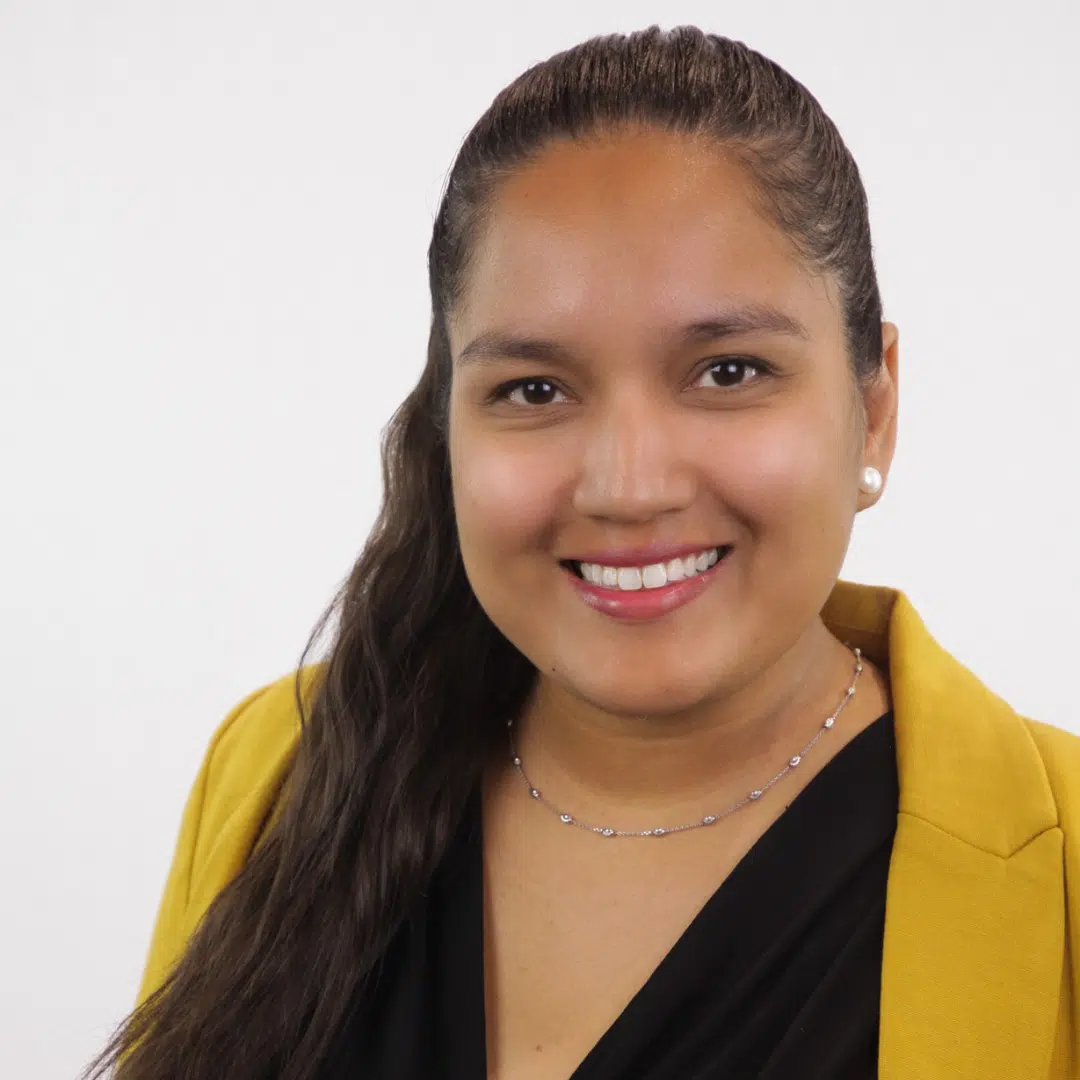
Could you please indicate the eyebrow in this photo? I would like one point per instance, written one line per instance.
(495, 345)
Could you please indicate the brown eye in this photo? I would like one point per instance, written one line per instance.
(732, 371)
(532, 393)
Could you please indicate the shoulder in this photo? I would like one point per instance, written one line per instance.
(244, 767)
(1060, 752)
(256, 737)
(230, 801)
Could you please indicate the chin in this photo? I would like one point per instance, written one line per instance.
(651, 697)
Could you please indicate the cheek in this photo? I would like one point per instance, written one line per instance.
(505, 496)
(789, 468)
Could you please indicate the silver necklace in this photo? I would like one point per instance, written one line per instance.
(708, 819)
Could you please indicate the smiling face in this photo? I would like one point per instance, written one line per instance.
(642, 360)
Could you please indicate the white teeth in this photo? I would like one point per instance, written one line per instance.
(653, 576)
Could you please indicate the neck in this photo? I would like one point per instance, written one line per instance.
(596, 763)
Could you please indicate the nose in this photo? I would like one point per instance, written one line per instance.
(633, 466)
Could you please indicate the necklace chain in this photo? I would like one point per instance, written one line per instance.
(708, 819)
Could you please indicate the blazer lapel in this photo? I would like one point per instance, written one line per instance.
(974, 921)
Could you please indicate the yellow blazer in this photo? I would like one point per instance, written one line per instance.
(981, 964)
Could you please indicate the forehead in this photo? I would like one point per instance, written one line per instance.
(641, 230)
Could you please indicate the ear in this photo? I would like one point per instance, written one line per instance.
(881, 399)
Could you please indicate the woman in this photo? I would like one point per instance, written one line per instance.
(606, 774)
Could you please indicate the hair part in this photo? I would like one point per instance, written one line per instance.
(418, 682)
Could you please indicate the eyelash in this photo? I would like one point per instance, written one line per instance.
(502, 393)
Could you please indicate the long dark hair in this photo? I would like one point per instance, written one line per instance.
(418, 682)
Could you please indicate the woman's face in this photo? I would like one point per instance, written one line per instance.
(643, 369)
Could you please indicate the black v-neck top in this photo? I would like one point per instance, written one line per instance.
(777, 977)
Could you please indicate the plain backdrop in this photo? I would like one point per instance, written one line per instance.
(214, 218)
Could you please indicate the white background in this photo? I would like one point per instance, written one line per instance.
(213, 224)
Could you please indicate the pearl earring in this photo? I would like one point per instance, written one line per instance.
(871, 480)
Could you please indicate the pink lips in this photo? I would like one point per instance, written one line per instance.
(644, 604)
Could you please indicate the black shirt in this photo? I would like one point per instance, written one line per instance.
(778, 977)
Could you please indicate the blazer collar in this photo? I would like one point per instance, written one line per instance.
(974, 921)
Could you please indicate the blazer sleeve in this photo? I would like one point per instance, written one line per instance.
(1060, 752)
(234, 792)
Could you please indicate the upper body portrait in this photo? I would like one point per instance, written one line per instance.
(607, 774)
